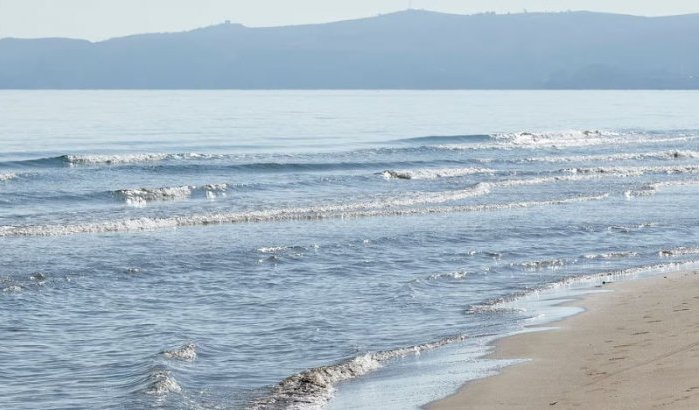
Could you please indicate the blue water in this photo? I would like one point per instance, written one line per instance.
(275, 249)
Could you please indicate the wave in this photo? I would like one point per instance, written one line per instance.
(313, 388)
(290, 214)
(448, 276)
(283, 249)
(542, 180)
(142, 196)
(8, 176)
(631, 228)
(544, 264)
(190, 162)
(610, 255)
(564, 139)
(635, 171)
(653, 188)
(434, 173)
(187, 353)
(508, 303)
(446, 139)
(681, 251)
(161, 382)
(133, 158)
(660, 155)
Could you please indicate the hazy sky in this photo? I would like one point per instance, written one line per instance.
(101, 19)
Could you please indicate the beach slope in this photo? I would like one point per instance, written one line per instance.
(634, 348)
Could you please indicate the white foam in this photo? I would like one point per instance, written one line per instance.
(162, 383)
(273, 249)
(681, 251)
(652, 188)
(291, 214)
(141, 196)
(434, 173)
(7, 176)
(133, 158)
(512, 303)
(313, 388)
(543, 180)
(635, 171)
(544, 264)
(450, 275)
(659, 155)
(213, 191)
(611, 255)
(565, 139)
(187, 353)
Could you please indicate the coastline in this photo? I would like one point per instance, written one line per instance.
(634, 348)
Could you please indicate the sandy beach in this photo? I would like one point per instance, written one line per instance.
(634, 348)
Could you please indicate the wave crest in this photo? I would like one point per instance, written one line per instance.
(187, 353)
(313, 388)
(132, 158)
(291, 214)
(434, 173)
(7, 176)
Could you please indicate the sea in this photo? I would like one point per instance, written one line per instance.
(318, 249)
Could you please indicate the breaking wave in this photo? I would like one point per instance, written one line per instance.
(161, 382)
(544, 264)
(681, 251)
(142, 196)
(448, 276)
(610, 255)
(133, 158)
(7, 176)
(635, 171)
(434, 173)
(291, 214)
(660, 155)
(653, 188)
(313, 388)
(542, 180)
(563, 140)
(187, 353)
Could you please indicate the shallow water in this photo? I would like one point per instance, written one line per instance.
(262, 249)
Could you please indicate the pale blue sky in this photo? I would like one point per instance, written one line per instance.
(101, 19)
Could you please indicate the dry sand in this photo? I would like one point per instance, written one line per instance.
(634, 348)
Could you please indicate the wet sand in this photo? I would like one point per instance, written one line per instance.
(634, 348)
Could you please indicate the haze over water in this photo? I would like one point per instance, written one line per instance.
(195, 249)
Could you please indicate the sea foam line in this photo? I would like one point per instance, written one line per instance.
(434, 173)
(652, 188)
(134, 158)
(510, 303)
(635, 171)
(659, 155)
(291, 214)
(313, 388)
(562, 140)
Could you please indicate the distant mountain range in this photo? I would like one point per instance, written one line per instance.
(405, 50)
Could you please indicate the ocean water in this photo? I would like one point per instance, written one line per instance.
(288, 249)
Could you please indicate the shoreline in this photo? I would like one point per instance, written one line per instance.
(636, 347)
